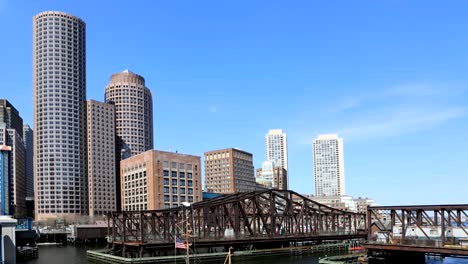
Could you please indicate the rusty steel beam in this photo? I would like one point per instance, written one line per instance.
(251, 216)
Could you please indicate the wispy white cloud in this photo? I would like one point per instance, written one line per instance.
(386, 113)
(399, 122)
(411, 91)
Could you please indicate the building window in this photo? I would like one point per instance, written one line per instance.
(166, 181)
(182, 175)
(189, 175)
(166, 189)
(174, 174)
(166, 173)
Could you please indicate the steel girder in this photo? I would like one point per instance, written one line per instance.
(240, 216)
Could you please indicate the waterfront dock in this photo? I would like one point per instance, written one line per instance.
(105, 256)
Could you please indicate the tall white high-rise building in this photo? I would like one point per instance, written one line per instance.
(59, 82)
(328, 165)
(277, 148)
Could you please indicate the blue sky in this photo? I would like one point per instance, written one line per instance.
(390, 77)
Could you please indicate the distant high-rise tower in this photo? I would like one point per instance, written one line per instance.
(328, 165)
(101, 158)
(29, 158)
(229, 171)
(277, 151)
(10, 116)
(277, 148)
(133, 113)
(59, 82)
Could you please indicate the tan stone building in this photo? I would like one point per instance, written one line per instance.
(101, 158)
(157, 179)
(229, 171)
(133, 113)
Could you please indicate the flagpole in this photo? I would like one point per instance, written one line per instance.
(175, 245)
(187, 237)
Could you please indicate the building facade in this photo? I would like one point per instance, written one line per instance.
(363, 203)
(328, 166)
(341, 202)
(12, 173)
(157, 179)
(277, 148)
(133, 113)
(28, 141)
(101, 158)
(59, 84)
(10, 116)
(229, 171)
(272, 177)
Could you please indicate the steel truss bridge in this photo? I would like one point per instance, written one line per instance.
(252, 218)
(426, 229)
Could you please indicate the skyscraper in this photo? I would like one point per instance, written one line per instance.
(10, 116)
(328, 165)
(277, 150)
(12, 161)
(29, 159)
(101, 158)
(133, 113)
(229, 171)
(59, 83)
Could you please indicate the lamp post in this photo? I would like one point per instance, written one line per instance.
(187, 204)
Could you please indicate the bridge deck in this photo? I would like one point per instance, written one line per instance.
(233, 241)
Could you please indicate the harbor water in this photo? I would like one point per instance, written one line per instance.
(77, 255)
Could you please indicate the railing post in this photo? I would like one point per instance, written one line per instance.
(369, 223)
(442, 219)
(403, 226)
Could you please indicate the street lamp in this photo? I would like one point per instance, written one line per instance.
(187, 204)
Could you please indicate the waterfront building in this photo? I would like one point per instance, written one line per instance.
(271, 176)
(133, 103)
(133, 113)
(59, 84)
(229, 171)
(28, 140)
(342, 202)
(157, 179)
(363, 203)
(12, 172)
(101, 158)
(328, 165)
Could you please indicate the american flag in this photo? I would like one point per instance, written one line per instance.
(180, 244)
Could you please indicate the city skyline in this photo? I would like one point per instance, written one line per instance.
(402, 120)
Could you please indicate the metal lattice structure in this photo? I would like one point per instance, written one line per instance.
(437, 229)
(252, 217)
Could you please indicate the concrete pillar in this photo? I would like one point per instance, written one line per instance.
(8, 238)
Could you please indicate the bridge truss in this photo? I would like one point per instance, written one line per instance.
(435, 229)
(253, 217)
